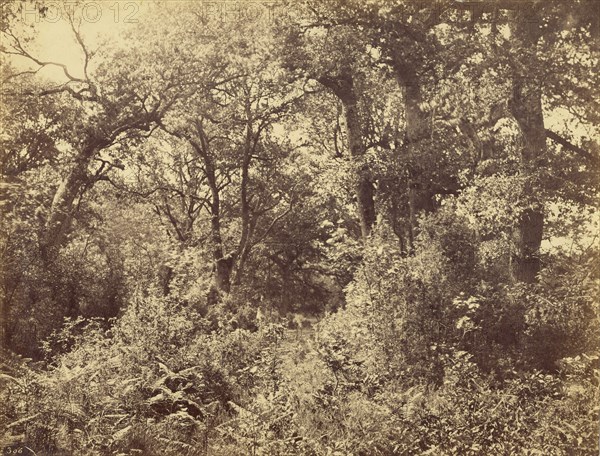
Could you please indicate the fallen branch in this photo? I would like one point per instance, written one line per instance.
(22, 421)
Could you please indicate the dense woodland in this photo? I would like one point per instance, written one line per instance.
(334, 227)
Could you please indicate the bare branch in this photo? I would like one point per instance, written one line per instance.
(274, 222)
(20, 51)
(86, 53)
(22, 73)
(79, 95)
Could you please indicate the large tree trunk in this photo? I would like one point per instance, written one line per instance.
(363, 185)
(418, 129)
(222, 264)
(526, 108)
(244, 246)
(343, 88)
(417, 124)
(3, 321)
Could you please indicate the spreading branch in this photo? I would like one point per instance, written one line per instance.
(572, 147)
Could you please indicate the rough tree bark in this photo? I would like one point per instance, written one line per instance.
(343, 88)
(62, 208)
(222, 265)
(526, 107)
(417, 129)
(244, 246)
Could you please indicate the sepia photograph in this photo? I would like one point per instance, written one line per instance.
(300, 228)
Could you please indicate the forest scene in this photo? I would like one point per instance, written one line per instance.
(307, 227)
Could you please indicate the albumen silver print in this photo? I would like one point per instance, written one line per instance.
(299, 227)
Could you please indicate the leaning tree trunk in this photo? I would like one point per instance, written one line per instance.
(343, 88)
(62, 208)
